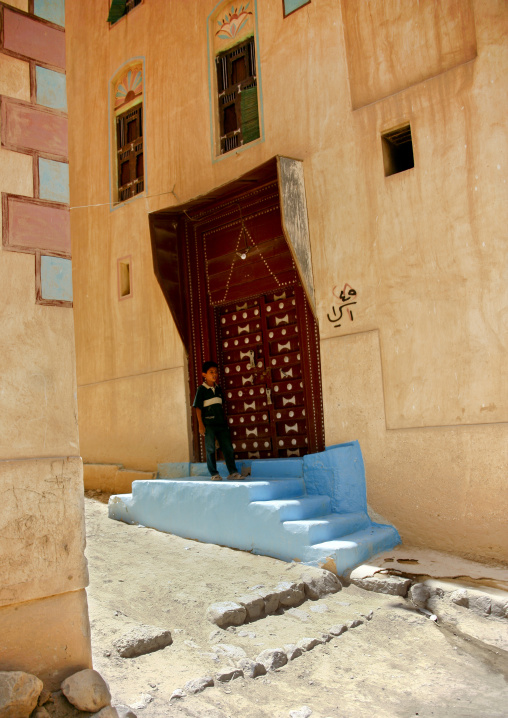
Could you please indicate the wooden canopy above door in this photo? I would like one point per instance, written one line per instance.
(168, 224)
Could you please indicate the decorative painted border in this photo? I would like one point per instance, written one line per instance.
(287, 14)
(211, 93)
(111, 135)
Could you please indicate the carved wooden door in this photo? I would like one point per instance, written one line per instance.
(248, 311)
(261, 372)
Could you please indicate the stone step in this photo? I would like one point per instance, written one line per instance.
(303, 507)
(354, 548)
(276, 468)
(327, 527)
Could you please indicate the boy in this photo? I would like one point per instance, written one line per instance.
(212, 422)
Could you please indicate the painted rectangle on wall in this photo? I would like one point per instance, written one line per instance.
(56, 279)
(51, 89)
(53, 180)
(33, 39)
(25, 127)
(35, 225)
(52, 10)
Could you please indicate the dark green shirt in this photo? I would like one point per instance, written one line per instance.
(209, 400)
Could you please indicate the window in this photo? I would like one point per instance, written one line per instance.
(124, 278)
(129, 143)
(238, 98)
(397, 150)
(119, 8)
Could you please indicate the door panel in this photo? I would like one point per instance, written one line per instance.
(261, 373)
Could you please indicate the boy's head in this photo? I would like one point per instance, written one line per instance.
(210, 372)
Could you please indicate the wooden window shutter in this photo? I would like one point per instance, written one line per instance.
(116, 10)
(250, 114)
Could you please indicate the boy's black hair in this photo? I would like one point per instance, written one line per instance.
(208, 365)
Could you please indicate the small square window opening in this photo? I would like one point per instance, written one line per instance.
(124, 278)
(397, 150)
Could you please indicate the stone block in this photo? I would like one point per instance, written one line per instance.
(228, 674)
(141, 640)
(226, 613)
(319, 583)
(197, 685)
(18, 693)
(381, 583)
(272, 658)
(290, 594)
(307, 644)
(86, 690)
(254, 605)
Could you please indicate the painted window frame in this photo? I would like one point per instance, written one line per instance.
(114, 150)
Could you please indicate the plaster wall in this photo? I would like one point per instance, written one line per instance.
(43, 613)
(423, 249)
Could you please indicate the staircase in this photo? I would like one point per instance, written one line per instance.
(312, 509)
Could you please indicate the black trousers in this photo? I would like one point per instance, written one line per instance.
(221, 433)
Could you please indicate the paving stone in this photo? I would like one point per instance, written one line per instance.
(292, 651)
(319, 582)
(234, 653)
(176, 695)
(144, 700)
(272, 602)
(355, 623)
(338, 629)
(290, 594)
(419, 594)
(19, 692)
(307, 644)
(499, 609)
(460, 597)
(86, 690)
(251, 669)
(382, 583)
(254, 605)
(480, 605)
(303, 712)
(141, 640)
(272, 658)
(226, 613)
(228, 674)
(197, 685)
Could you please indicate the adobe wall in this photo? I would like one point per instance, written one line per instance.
(43, 571)
(416, 374)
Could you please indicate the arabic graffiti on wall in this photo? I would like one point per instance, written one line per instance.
(343, 300)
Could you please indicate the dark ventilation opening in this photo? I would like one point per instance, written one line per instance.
(397, 150)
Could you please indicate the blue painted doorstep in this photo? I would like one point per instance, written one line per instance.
(312, 510)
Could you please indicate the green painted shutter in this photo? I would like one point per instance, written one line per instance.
(117, 10)
(250, 115)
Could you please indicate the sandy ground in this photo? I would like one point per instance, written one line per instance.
(397, 664)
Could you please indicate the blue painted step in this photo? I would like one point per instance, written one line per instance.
(284, 516)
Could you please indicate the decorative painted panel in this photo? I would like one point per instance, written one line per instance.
(23, 35)
(25, 128)
(232, 24)
(129, 87)
(52, 10)
(34, 224)
(53, 180)
(51, 89)
(56, 279)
